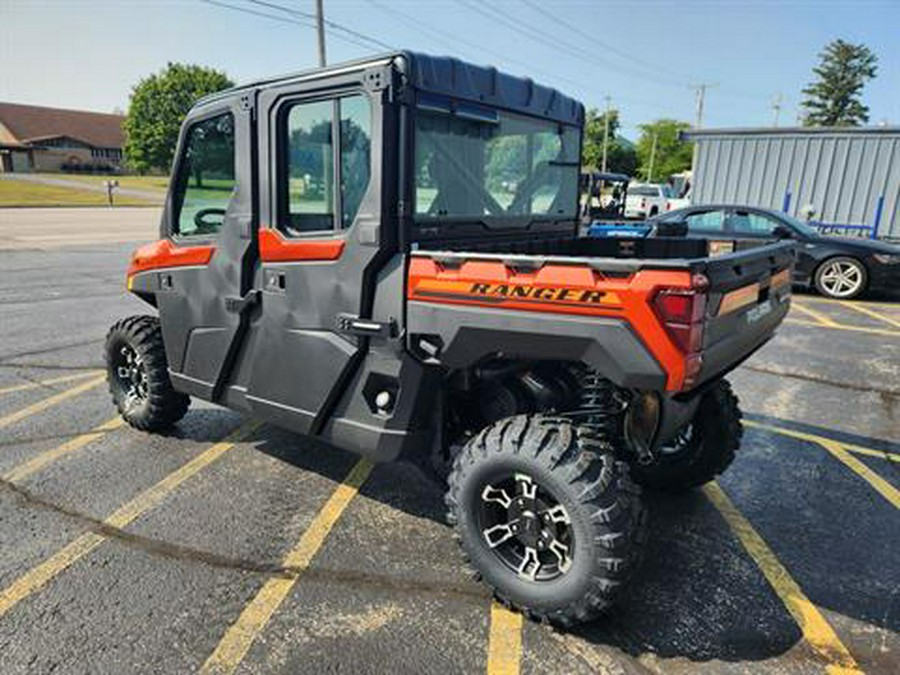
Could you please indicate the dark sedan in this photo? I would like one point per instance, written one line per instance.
(837, 267)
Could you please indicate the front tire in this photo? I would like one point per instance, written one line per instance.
(138, 375)
(547, 516)
(702, 450)
(841, 278)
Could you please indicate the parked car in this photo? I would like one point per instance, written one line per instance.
(645, 200)
(837, 267)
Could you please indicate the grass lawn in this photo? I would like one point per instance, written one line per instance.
(23, 193)
(149, 183)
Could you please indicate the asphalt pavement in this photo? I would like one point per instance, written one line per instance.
(226, 546)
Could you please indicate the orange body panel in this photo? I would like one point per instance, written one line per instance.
(164, 253)
(560, 289)
(273, 247)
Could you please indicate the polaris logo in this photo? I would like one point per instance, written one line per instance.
(546, 293)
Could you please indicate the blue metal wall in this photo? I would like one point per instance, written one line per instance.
(849, 176)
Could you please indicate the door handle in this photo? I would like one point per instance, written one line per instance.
(241, 305)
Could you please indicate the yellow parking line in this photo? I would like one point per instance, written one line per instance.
(47, 383)
(818, 316)
(504, 641)
(238, 639)
(50, 401)
(813, 438)
(35, 464)
(883, 488)
(815, 627)
(827, 301)
(856, 307)
(840, 326)
(38, 576)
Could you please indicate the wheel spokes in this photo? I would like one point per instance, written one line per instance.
(561, 551)
(498, 495)
(530, 564)
(557, 514)
(496, 535)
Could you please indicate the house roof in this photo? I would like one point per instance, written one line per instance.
(30, 122)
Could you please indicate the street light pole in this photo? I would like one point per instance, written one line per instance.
(606, 133)
(320, 28)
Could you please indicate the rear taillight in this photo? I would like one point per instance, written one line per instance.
(668, 206)
(682, 312)
(643, 203)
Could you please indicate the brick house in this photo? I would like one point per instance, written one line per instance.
(35, 138)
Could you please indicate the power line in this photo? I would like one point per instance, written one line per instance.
(592, 39)
(331, 24)
(453, 41)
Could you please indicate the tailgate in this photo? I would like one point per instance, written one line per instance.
(749, 296)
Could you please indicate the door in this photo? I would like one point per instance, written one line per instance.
(208, 216)
(320, 246)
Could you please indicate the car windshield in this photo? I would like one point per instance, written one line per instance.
(487, 165)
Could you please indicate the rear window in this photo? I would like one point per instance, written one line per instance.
(644, 191)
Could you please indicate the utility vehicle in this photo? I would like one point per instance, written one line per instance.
(384, 255)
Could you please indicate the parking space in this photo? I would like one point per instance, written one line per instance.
(230, 547)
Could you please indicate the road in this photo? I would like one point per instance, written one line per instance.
(126, 552)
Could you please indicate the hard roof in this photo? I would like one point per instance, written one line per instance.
(452, 77)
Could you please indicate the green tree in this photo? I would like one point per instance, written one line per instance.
(671, 155)
(157, 108)
(833, 99)
(620, 156)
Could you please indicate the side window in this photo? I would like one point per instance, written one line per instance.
(205, 180)
(706, 221)
(752, 223)
(310, 172)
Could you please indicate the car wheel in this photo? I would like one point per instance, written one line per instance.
(841, 278)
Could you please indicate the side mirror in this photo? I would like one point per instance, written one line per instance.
(783, 232)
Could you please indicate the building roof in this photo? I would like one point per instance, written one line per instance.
(30, 122)
(692, 134)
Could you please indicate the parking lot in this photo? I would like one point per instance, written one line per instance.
(230, 546)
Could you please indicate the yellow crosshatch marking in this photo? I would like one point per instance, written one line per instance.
(38, 576)
(240, 636)
(504, 641)
(862, 309)
(815, 314)
(816, 629)
(813, 438)
(49, 402)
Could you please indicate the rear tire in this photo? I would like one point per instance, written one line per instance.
(579, 521)
(138, 375)
(703, 449)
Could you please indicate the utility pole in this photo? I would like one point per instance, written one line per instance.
(607, 98)
(320, 27)
(652, 160)
(701, 97)
(776, 109)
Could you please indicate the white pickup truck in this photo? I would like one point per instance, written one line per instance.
(645, 200)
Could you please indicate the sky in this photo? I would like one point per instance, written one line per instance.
(644, 55)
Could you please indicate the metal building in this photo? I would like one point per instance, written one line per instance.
(849, 177)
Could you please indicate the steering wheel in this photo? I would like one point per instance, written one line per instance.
(205, 226)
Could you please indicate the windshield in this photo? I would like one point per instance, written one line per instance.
(494, 165)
